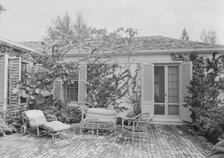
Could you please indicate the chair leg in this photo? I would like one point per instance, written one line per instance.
(80, 130)
(38, 131)
(52, 135)
(147, 136)
(132, 138)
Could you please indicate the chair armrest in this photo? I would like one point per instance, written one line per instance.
(24, 116)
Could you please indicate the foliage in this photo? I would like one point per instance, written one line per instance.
(184, 35)
(134, 93)
(65, 35)
(206, 107)
(64, 112)
(209, 36)
(5, 127)
(98, 47)
(211, 123)
(108, 83)
(105, 87)
(2, 8)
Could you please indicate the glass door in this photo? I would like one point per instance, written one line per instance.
(159, 90)
(166, 91)
(173, 91)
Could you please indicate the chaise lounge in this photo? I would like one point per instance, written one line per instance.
(36, 122)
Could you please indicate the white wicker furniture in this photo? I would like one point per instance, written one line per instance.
(98, 118)
(35, 122)
(136, 125)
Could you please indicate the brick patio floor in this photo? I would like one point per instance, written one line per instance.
(164, 141)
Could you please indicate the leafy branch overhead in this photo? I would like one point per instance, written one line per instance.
(65, 35)
(106, 82)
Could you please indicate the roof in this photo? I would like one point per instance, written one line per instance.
(156, 45)
(15, 45)
(167, 43)
(163, 45)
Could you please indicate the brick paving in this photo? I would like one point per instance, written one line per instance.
(163, 141)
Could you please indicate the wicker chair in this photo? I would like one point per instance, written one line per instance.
(136, 125)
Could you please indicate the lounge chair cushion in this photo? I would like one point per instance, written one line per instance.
(36, 117)
(34, 113)
(36, 121)
(100, 115)
(99, 111)
(103, 120)
(55, 126)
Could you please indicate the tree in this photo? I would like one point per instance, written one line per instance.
(104, 84)
(209, 37)
(65, 35)
(184, 35)
(2, 8)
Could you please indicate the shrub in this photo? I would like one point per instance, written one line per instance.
(71, 115)
(5, 128)
(119, 121)
(211, 123)
(206, 107)
(64, 112)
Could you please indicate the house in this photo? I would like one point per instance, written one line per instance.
(164, 81)
(12, 70)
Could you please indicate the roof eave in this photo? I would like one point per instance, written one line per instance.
(162, 52)
(181, 51)
(15, 45)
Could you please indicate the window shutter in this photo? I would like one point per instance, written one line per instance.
(82, 90)
(57, 90)
(147, 88)
(3, 81)
(14, 78)
(185, 78)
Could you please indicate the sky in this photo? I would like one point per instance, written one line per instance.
(27, 20)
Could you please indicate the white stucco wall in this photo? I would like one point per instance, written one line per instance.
(139, 59)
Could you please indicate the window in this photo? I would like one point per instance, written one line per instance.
(71, 90)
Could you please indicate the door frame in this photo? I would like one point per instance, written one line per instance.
(166, 103)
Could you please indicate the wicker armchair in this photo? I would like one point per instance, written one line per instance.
(136, 125)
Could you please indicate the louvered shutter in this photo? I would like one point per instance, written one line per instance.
(147, 88)
(57, 90)
(185, 78)
(14, 78)
(3, 81)
(82, 90)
